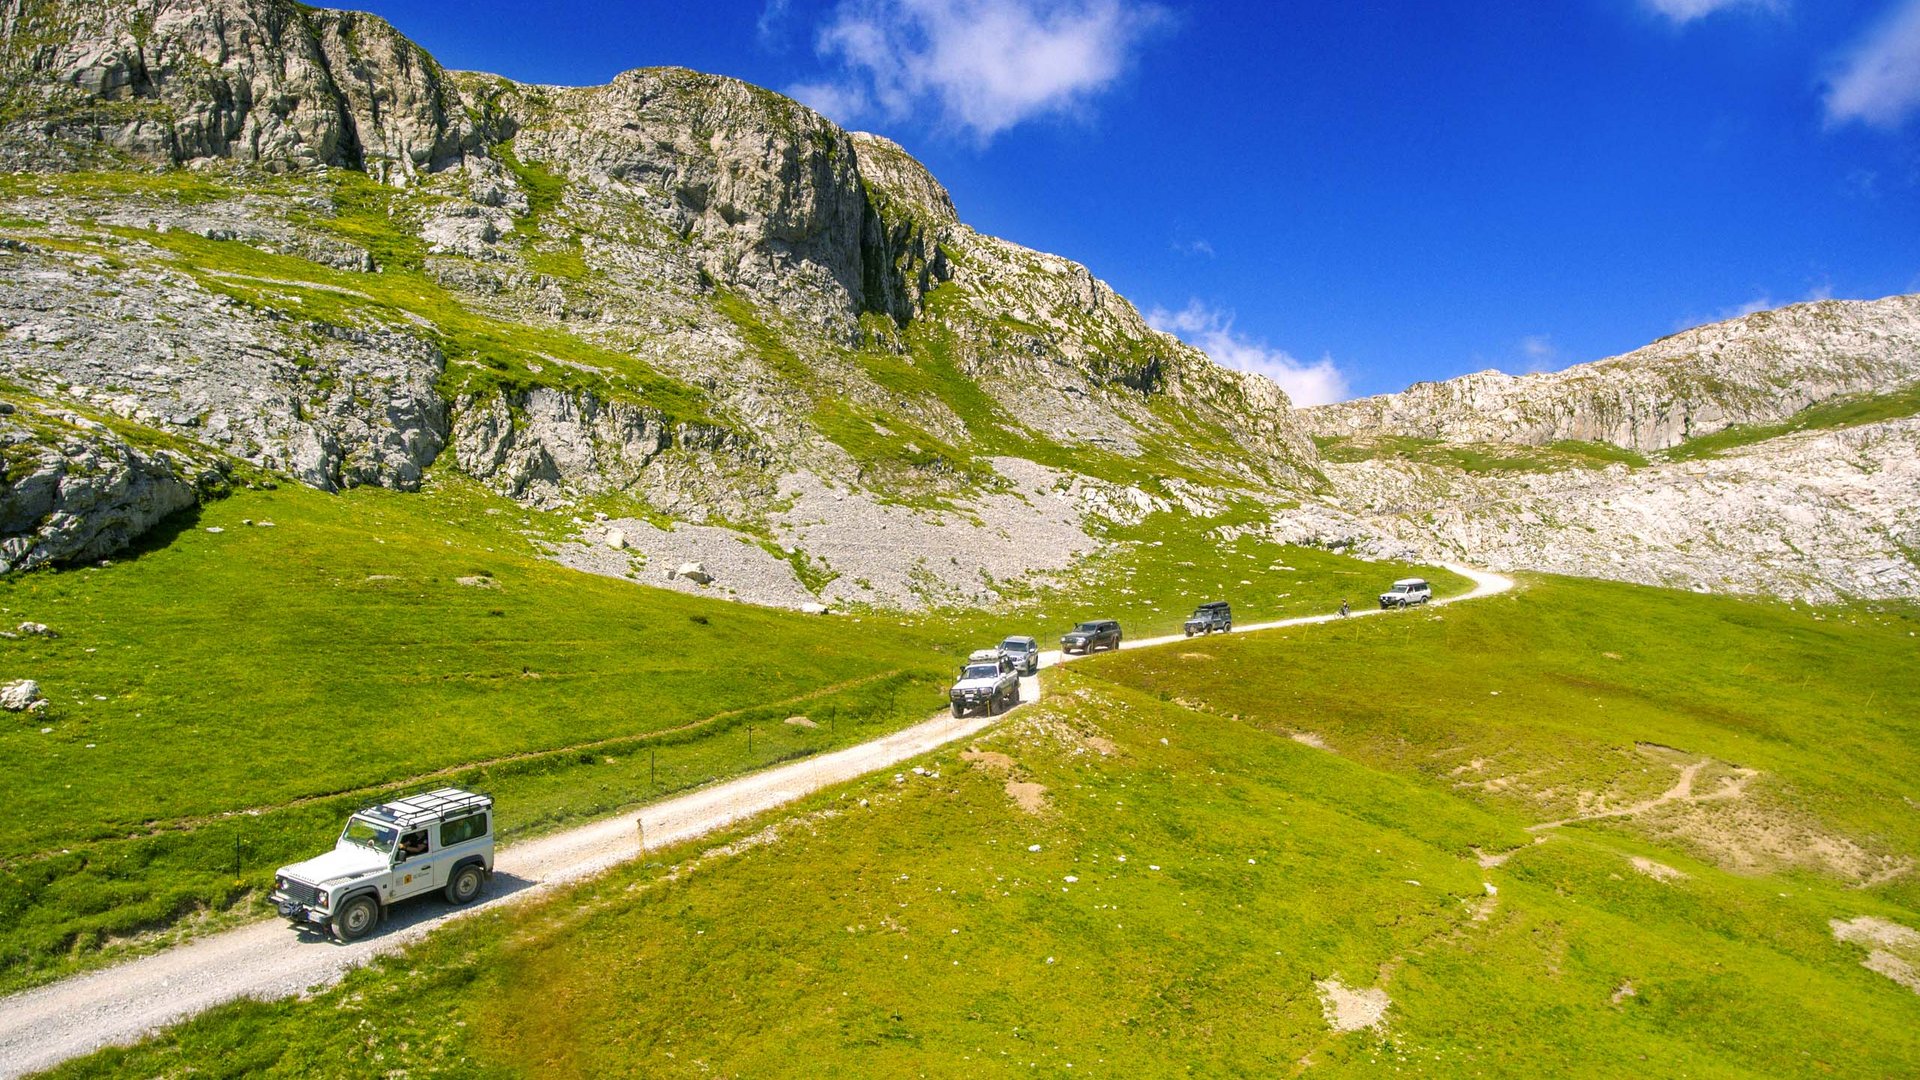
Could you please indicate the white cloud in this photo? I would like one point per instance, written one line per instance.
(1682, 12)
(1879, 81)
(1196, 246)
(1540, 352)
(772, 25)
(1211, 331)
(983, 65)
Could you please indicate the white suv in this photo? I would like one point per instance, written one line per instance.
(439, 840)
(1407, 592)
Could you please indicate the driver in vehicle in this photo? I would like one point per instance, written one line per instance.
(414, 843)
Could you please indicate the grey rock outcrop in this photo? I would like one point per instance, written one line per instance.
(76, 491)
(545, 445)
(266, 81)
(1759, 368)
(335, 406)
(1819, 516)
(20, 695)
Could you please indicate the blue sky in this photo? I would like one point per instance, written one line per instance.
(1348, 195)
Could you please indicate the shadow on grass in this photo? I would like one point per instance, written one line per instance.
(159, 537)
(423, 912)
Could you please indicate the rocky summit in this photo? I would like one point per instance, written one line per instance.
(248, 241)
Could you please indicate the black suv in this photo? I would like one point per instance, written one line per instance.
(1210, 617)
(1088, 636)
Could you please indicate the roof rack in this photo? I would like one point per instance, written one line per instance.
(428, 806)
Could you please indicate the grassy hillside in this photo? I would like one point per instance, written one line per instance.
(1155, 872)
(1844, 412)
(220, 702)
(1478, 458)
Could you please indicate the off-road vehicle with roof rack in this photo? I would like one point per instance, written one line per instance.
(395, 851)
(1208, 618)
(989, 684)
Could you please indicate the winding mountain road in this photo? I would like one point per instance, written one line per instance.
(42, 1027)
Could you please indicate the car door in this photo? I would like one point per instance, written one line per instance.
(415, 873)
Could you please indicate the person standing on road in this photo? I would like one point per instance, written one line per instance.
(1343, 608)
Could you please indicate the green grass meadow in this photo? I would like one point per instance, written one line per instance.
(1194, 871)
(223, 699)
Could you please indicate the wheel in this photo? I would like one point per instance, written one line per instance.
(958, 712)
(355, 918)
(465, 884)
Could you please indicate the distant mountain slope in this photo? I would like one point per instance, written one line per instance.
(288, 236)
(1758, 368)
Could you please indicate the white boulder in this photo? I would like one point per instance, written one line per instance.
(20, 695)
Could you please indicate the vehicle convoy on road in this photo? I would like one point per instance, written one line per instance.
(1208, 618)
(395, 851)
(1024, 653)
(1091, 635)
(1406, 592)
(989, 684)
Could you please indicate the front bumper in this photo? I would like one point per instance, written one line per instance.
(301, 914)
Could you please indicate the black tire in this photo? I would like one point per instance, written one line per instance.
(958, 712)
(466, 883)
(356, 918)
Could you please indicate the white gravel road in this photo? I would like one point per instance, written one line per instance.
(42, 1027)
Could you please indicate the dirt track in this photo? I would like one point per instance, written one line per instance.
(42, 1027)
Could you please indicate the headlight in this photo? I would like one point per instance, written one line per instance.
(325, 900)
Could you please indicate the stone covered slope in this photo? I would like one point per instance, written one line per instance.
(1816, 515)
(1759, 368)
(286, 237)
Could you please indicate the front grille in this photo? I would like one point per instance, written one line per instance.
(300, 892)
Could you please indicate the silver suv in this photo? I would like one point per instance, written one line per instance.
(409, 847)
(1406, 592)
(989, 684)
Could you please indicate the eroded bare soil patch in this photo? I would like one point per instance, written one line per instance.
(1349, 1009)
(1893, 950)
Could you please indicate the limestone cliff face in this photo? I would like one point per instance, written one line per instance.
(266, 81)
(1758, 368)
(286, 235)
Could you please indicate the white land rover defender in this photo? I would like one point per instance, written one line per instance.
(439, 840)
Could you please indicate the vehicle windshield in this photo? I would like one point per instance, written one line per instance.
(366, 834)
(1086, 628)
(1016, 646)
(1403, 588)
(981, 671)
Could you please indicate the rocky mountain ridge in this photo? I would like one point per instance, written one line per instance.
(287, 236)
(1757, 368)
(247, 239)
